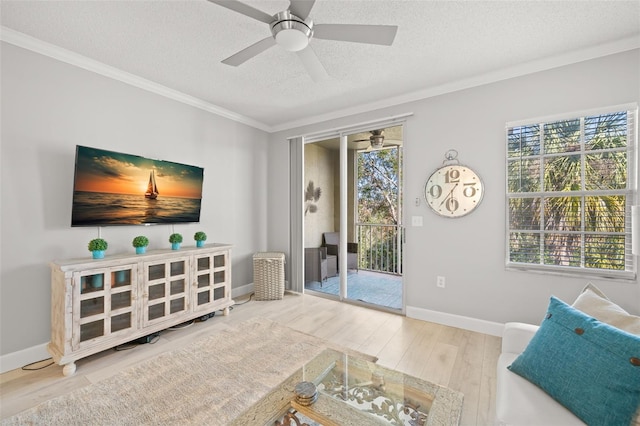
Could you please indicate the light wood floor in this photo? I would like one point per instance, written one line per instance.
(460, 359)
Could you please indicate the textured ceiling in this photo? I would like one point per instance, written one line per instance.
(439, 45)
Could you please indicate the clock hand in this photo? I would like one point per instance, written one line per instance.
(450, 194)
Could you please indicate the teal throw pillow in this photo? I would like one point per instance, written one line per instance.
(588, 366)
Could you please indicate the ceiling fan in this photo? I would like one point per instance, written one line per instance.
(292, 30)
(375, 141)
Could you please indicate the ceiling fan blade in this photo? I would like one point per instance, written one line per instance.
(244, 9)
(251, 51)
(313, 65)
(301, 8)
(371, 34)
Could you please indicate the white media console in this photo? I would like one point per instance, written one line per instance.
(97, 304)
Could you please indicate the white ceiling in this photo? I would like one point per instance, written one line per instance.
(440, 46)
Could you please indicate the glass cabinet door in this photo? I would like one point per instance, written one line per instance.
(210, 279)
(123, 288)
(166, 291)
(220, 276)
(204, 282)
(103, 303)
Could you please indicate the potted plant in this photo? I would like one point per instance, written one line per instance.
(175, 240)
(200, 238)
(97, 247)
(140, 243)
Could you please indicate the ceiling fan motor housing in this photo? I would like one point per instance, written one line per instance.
(377, 138)
(377, 141)
(290, 31)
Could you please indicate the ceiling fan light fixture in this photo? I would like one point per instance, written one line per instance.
(290, 32)
(377, 141)
(292, 40)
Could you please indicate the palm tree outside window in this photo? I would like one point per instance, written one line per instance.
(571, 183)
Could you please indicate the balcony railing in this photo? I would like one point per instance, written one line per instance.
(380, 248)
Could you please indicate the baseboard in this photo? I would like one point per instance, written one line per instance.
(459, 321)
(24, 357)
(241, 291)
(246, 289)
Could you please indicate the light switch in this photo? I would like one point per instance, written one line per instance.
(416, 220)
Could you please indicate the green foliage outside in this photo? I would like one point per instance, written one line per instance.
(378, 198)
(552, 221)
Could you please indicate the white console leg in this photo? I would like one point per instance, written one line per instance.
(69, 369)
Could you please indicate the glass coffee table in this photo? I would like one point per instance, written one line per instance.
(340, 389)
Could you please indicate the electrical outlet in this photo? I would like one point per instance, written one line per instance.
(440, 281)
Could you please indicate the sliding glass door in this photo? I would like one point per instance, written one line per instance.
(378, 225)
(352, 217)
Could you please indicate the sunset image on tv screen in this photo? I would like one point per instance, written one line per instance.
(112, 188)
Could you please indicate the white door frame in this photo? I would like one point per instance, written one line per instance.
(296, 182)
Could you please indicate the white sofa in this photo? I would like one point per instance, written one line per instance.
(518, 401)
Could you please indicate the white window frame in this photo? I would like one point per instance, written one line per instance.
(631, 193)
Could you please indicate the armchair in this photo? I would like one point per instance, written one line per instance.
(319, 265)
(331, 240)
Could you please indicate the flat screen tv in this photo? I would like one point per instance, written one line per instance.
(111, 188)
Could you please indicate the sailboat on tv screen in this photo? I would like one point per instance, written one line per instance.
(152, 188)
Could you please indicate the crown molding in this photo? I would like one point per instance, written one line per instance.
(47, 49)
(30, 43)
(581, 55)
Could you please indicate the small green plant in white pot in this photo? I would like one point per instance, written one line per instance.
(175, 240)
(200, 238)
(98, 246)
(140, 243)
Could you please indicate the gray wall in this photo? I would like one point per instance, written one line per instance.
(470, 251)
(48, 107)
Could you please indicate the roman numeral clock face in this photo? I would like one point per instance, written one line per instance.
(453, 191)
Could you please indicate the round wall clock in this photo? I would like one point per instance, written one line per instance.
(453, 190)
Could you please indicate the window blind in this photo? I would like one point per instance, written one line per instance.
(571, 183)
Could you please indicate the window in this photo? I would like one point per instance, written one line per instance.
(570, 187)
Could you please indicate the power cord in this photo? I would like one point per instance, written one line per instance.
(26, 367)
(183, 325)
(245, 302)
(135, 343)
(125, 347)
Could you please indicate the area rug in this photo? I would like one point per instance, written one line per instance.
(212, 381)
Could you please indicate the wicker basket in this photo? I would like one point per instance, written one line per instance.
(268, 275)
